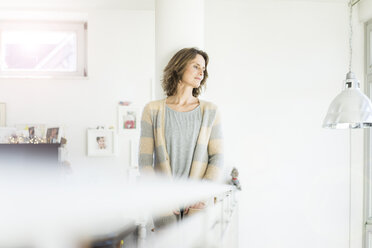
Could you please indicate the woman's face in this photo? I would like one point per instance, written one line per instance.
(101, 142)
(194, 72)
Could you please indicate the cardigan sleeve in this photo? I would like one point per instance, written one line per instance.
(146, 144)
(215, 150)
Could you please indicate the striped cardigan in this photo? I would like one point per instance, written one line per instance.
(208, 155)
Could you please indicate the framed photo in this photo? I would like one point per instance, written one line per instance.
(102, 142)
(36, 130)
(128, 119)
(31, 132)
(2, 115)
(53, 134)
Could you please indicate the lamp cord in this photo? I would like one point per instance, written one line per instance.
(351, 33)
(350, 188)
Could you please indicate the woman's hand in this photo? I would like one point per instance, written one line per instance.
(198, 205)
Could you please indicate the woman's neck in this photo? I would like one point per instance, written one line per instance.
(183, 96)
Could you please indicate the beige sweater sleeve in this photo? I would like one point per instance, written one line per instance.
(146, 144)
(215, 151)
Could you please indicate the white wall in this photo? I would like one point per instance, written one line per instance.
(120, 67)
(275, 67)
(365, 10)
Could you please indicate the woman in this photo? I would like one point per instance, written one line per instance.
(181, 132)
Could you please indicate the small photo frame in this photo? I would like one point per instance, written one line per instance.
(102, 142)
(53, 135)
(37, 130)
(128, 119)
(2, 114)
(31, 132)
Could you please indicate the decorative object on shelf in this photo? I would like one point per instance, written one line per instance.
(63, 141)
(6, 133)
(128, 119)
(12, 135)
(53, 135)
(102, 142)
(37, 130)
(2, 114)
(24, 139)
(351, 108)
(37, 140)
(31, 132)
(13, 139)
(19, 137)
(234, 178)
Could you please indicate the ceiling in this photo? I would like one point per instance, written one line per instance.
(112, 4)
(79, 4)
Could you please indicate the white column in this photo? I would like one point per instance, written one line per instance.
(178, 24)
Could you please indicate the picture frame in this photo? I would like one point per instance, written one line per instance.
(101, 142)
(35, 130)
(31, 132)
(53, 134)
(2, 114)
(128, 119)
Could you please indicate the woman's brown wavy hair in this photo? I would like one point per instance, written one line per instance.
(176, 67)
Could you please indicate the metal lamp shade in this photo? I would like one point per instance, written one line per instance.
(350, 109)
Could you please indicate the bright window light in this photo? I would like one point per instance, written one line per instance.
(39, 51)
(42, 49)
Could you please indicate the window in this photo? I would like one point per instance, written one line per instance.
(369, 48)
(43, 49)
(368, 170)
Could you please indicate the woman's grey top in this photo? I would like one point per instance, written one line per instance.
(181, 134)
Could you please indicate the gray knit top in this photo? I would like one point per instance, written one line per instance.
(181, 134)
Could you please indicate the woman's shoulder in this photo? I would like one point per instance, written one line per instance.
(208, 105)
(157, 104)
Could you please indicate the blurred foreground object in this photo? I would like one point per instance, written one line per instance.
(92, 207)
(234, 178)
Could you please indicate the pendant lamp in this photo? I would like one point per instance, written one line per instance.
(351, 108)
